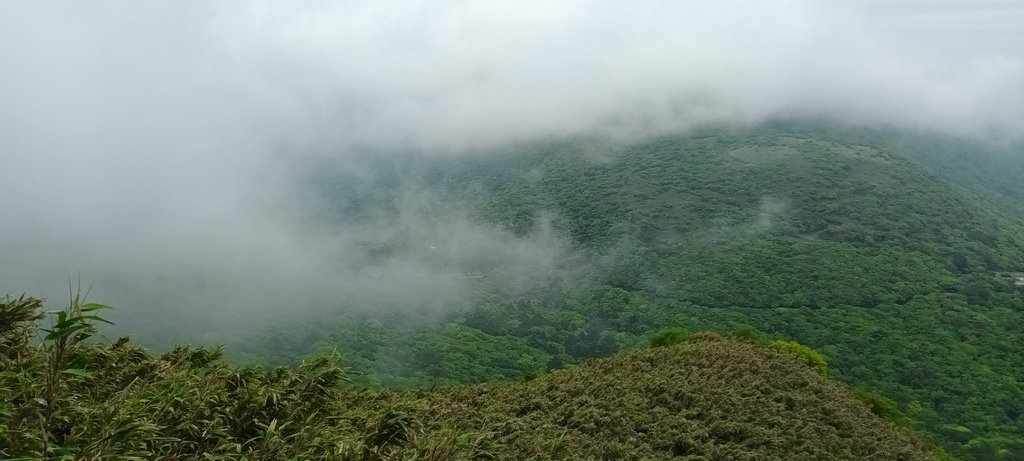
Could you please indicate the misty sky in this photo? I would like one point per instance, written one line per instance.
(161, 138)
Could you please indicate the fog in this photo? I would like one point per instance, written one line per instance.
(156, 149)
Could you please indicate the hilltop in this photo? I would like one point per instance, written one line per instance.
(708, 399)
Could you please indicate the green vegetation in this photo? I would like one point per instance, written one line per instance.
(669, 336)
(883, 251)
(810, 356)
(707, 398)
(67, 398)
(893, 255)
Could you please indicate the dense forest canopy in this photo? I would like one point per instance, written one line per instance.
(861, 244)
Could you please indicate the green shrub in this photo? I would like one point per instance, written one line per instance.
(882, 406)
(746, 333)
(669, 336)
(813, 358)
(705, 337)
(66, 397)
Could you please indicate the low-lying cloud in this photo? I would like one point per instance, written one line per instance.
(161, 141)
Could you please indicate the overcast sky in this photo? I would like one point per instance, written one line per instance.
(136, 135)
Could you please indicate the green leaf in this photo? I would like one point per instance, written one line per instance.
(94, 307)
(97, 318)
(77, 372)
(64, 332)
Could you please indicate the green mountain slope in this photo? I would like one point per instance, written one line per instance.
(708, 398)
(991, 174)
(873, 247)
(894, 254)
(850, 246)
(764, 221)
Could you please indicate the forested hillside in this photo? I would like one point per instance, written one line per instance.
(694, 397)
(879, 249)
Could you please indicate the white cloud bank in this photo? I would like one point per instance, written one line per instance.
(138, 137)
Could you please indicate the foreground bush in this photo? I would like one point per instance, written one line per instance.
(68, 399)
(708, 397)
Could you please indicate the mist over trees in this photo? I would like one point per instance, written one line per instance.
(174, 134)
(452, 193)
